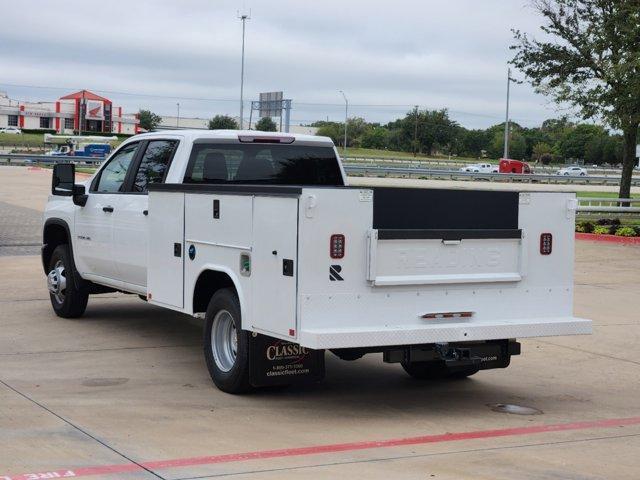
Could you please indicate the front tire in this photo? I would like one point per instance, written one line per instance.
(226, 345)
(437, 370)
(67, 300)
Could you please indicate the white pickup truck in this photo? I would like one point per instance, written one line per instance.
(260, 235)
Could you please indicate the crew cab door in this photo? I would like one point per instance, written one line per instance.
(130, 225)
(93, 242)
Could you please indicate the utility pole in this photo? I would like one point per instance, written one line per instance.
(178, 117)
(346, 118)
(244, 17)
(506, 122)
(415, 133)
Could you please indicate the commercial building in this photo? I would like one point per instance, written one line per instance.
(81, 111)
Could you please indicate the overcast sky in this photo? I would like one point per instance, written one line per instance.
(386, 55)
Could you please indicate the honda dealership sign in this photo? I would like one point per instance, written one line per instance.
(94, 110)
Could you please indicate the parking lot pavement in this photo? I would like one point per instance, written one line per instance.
(127, 385)
(20, 230)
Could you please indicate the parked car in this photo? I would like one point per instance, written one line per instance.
(573, 171)
(514, 166)
(480, 168)
(11, 130)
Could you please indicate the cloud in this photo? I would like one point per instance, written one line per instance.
(387, 56)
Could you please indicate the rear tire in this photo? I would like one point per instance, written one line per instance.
(67, 300)
(226, 345)
(437, 371)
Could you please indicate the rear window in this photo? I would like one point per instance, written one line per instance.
(272, 164)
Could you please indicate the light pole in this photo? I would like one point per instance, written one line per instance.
(178, 117)
(244, 17)
(506, 122)
(346, 117)
(415, 134)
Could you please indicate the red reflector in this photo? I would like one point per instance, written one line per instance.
(336, 245)
(257, 139)
(546, 243)
(292, 332)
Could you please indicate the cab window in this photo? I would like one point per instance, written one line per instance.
(154, 164)
(112, 177)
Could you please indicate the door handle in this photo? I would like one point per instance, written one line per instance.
(145, 212)
(108, 209)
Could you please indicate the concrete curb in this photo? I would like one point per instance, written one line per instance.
(608, 238)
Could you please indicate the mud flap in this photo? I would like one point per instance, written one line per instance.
(277, 362)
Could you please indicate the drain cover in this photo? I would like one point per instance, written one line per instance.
(514, 409)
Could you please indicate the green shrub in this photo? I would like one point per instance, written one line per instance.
(601, 230)
(637, 229)
(608, 221)
(626, 232)
(584, 227)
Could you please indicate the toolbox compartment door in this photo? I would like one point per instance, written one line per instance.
(274, 270)
(165, 252)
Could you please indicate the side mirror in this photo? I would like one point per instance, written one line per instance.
(63, 179)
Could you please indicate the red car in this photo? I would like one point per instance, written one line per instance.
(514, 166)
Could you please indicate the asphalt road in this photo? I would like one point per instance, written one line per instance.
(123, 393)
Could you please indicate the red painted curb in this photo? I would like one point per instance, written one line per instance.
(593, 237)
(320, 449)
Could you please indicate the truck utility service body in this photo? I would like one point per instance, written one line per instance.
(438, 280)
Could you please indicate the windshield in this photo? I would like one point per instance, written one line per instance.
(272, 164)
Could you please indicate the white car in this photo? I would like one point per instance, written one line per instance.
(480, 168)
(11, 130)
(573, 171)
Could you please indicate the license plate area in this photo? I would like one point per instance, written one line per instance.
(484, 355)
(428, 257)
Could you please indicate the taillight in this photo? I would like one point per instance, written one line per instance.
(546, 243)
(336, 245)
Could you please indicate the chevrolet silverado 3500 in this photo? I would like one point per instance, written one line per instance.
(260, 235)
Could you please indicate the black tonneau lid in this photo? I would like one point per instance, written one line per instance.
(440, 209)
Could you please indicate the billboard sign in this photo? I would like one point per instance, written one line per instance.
(94, 110)
(271, 104)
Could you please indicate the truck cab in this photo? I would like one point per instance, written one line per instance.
(110, 229)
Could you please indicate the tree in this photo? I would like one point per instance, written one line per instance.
(376, 137)
(541, 152)
(333, 130)
(574, 143)
(517, 145)
(222, 122)
(266, 124)
(589, 60)
(149, 120)
(433, 129)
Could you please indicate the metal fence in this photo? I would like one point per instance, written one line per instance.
(451, 174)
(383, 169)
(627, 208)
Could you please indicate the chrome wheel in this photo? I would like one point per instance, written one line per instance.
(57, 282)
(224, 340)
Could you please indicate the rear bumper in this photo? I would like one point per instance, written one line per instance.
(442, 332)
